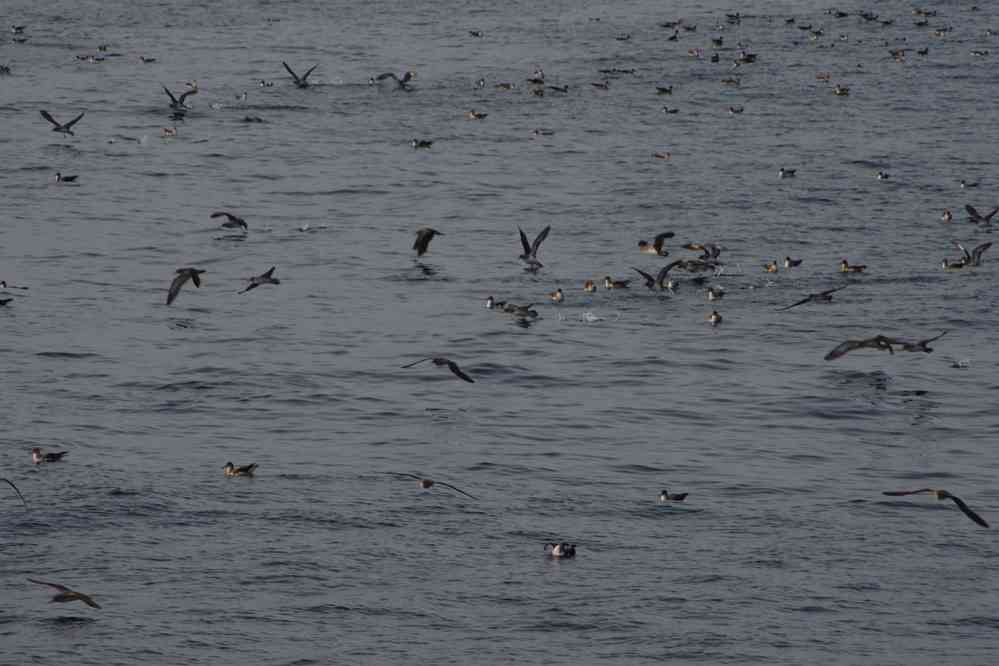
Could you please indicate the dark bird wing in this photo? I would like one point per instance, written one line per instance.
(967, 255)
(806, 299)
(971, 211)
(175, 286)
(457, 371)
(976, 254)
(650, 281)
(61, 588)
(418, 478)
(173, 100)
(87, 600)
(73, 121)
(657, 242)
(679, 497)
(423, 238)
(309, 71)
(11, 483)
(923, 343)
(196, 277)
(668, 267)
(988, 218)
(540, 239)
(524, 242)
(900, 493)
(386, 75)
(48, 116)
(290, 71)
(830, 292)
(186, 94)
(416, 362)
(448, 485)
(229, 216)
(269, 273)
(845, 348)
(966, 509)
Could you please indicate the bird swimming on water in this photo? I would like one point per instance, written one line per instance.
(421, 143)
(439, 361)
(232, 222)
(560, 550)
(423, 237)
(427, 484)
(183, 275)
(300, 81)
(245, 470)
(666, 497)
(66, 595)
(63, 128)
(65, 179)
(941, 495)
(847, 267)
(267, 277)
(38, 457)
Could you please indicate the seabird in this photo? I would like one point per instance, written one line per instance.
(183, 275)
(402, 83)
(883, 175)
(841, 91)
(65, 179)
(232, 222)
(664, 90)
(770, 267)
(266, 277)
(5, 301)
(714, 318)
(650, 281)
(610, 283)
(38, 457)
(846, 267)
(423, 237)
(976, 217)
(300, 81)
(973, 258)
(557, 296)
(426, 484)
(244, 470)
(877, 342)
(476, 115)
(11, 483)
(65, 129)
(589, 287)
(715, 293)
(949, 216)
(65, 594)
(786, 173)
(4, 285)
(917, 346)
(709, 251)
(560, 550)
(440, 360)
(821, 297)
(790, 263)
(656, 246)
(530, 255)
(177, 104)
(941, 495)
(666, 497)
(421, 143)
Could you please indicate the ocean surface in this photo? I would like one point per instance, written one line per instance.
(784, 552)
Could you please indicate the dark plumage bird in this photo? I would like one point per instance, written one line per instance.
(426, 484)
(821, 297)
(267, 277)
(401, 82)
(183, 275)
(11, 483)
(656, 246)
(978, 218)
(242, 470)
(530, 255)
(973, 258)
(423, 237)
(440, 360)
(64, 129)
(300, 81)
(560, 550)
(177, 103)
(675, 497)
(941, 495)
(232, 222)
(65, 179)
(650, 281)
(879, 342)
(914, 346)
(65, 594)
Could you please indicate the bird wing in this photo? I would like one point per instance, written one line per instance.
(290, 70)
(175, 286)
(87, 600)
(988, 218)
(668, 267)
(929, 340)
(650, 282)
(794, 305)
(196, 277)
(269, 273)
(418, 478)
(188, 93)
(899, 493)
(11, 483)
(967, 510)
(829, 292)
(844, 348)
(976, 254)
(657, 242)
(524, 242)
(663, 272)
(386, 75)
(457, 371)
(220, 213)
(441, 483)
(416, 362)
(972, 212)
(173, 100)
(539, 239)
(73, 121)
(309, 71)
(61, 588)
(967, 255)
(48, 116)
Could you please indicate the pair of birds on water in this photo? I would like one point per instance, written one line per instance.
(194, 275)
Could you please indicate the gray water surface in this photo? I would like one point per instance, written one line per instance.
(785, 552)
